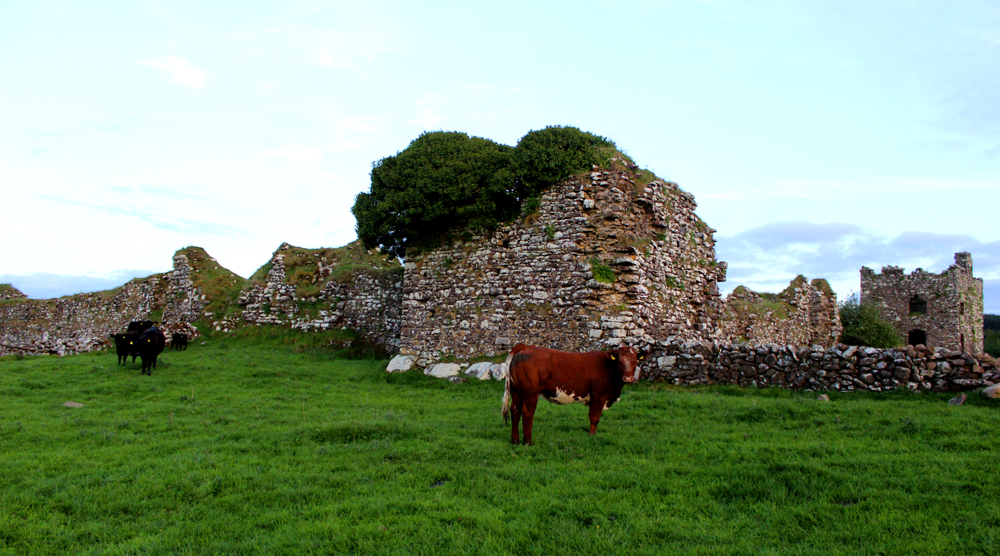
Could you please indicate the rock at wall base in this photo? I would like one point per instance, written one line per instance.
(400, 364)
(443, 370)
(992, 391)
(499, 371)
(480, 370)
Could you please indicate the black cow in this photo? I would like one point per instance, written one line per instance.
(123, 346)
(134, 331)
(179, 341)
(150, 344)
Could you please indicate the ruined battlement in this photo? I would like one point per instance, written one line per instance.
(940, 310)
(805, 313)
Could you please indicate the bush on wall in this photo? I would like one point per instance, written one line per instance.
(864, 326)
(446, 182)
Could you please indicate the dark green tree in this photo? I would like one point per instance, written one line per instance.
(445, 183)
(864, 326)
(547, 156)
(991, 334)
(442, 182)
(991, 344)
(991, 322)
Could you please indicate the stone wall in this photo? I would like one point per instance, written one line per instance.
(803, 314)
(74, 323)
(184, 301)
(946, 307)
(605, 260)
(840, 367)
(83, 322)
(367, 299)
(8, 291)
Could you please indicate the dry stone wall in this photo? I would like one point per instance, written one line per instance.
(934, 309)
(606, 260)
(839, 368)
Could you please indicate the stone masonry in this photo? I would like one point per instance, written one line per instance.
(605, 261)
(366, 299)
(803, 314)
(74, 323)
(839, 367)
(83, 322)
(941, 310)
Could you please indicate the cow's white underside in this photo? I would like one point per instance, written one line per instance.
(563, 396)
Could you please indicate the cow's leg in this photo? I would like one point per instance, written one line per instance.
(530, 403)
(596, 407)
(515, 416)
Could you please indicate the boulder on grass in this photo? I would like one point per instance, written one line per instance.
(479, 370)
(499, 371)
(401, 364)
(992, 391)
(443, 370)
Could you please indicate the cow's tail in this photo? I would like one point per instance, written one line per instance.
(505, 405)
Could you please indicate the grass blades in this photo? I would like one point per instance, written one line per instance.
(258, 445)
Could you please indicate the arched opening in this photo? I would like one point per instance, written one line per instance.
(918, 305)
(917, 337)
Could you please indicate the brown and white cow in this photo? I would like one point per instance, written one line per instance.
(594, 378)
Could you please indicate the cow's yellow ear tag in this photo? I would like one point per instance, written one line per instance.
(612, 357)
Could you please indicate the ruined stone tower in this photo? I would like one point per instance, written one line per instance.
(605, 260)
(939, 310)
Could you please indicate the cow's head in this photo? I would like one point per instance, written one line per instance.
(627, 359)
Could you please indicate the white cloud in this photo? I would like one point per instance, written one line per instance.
(765, 258)
(178, 68)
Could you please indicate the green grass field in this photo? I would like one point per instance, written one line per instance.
(259, 445)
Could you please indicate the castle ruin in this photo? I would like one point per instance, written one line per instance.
(941, 310)
(609, 258)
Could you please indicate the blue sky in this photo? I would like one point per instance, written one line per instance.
(816, 136)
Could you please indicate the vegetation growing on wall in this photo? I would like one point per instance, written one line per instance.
(220, 285)
(762, 304)
(602, 272)
(303, 266)
(864, 326)
(445, 183)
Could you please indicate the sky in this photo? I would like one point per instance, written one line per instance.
(817, 137)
